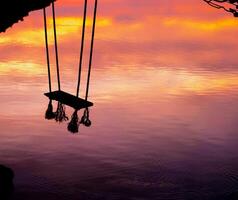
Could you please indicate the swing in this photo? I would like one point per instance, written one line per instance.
(63, 97)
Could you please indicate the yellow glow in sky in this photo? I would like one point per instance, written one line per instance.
(202, 25)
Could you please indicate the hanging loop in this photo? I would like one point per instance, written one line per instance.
(47, 49)
(91, 50)
(56, 46)
(82, 47)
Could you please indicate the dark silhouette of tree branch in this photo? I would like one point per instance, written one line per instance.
(220, 4)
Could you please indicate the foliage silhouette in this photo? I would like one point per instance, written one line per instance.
(14, 11)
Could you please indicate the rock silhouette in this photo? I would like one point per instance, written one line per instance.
(6, 182)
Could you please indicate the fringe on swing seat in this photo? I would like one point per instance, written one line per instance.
(69, 100)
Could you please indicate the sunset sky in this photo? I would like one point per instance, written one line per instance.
(178, 42)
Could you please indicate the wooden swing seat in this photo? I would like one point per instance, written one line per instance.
(69, 99)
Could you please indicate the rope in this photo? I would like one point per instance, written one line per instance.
(82, 47)
(47, 49)
(91, 51)
(56, 46)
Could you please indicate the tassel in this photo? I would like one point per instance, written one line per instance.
(49, 114)
(60, 114)
(85, 118)
(73, 125)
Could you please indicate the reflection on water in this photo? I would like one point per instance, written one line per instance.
(165, 112)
